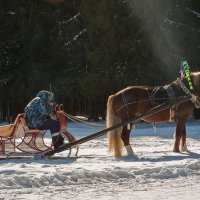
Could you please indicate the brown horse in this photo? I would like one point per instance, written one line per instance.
(136, 100)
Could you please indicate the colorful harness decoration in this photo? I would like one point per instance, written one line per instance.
(185, 69)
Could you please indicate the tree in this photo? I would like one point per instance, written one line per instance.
(87, 50)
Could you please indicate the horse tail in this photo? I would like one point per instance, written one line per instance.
(115, 144)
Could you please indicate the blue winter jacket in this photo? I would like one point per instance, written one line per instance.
(38, 110)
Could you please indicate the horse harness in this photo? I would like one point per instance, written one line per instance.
(174, 91)
(125, 103)
(159, 94)
(194, 98)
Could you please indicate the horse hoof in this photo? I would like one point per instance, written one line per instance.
(176, 150)
(129, 150)
(184, 148)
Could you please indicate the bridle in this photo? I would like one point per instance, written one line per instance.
(194, 98)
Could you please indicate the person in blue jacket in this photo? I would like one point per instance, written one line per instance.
(38, 114)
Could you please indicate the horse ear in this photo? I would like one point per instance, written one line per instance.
(182, 74)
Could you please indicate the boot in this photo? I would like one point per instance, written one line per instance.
(57, 140)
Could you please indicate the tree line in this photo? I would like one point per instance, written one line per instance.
(85, 50)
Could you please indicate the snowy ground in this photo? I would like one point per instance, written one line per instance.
(156, 172)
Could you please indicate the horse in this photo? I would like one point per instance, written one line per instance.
(134, 101)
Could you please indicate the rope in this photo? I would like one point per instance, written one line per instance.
(79, 121)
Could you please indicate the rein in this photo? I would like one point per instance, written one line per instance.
(81, 122)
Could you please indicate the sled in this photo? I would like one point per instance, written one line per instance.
(17, 140)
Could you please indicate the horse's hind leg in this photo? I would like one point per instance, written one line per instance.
(126, 139)
(183, 140)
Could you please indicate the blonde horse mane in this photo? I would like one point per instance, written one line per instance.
(114, 136)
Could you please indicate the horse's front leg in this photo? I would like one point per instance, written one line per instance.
(179, 131)
(183, 140)
(126, 139)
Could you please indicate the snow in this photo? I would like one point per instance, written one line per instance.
(75, 17)
(194, 12)
(76, 37)
(179, 25)
(155, 173)
(11, 12)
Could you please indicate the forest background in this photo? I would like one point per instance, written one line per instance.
(85, 50)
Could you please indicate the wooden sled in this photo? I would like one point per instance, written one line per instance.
(17, 139)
